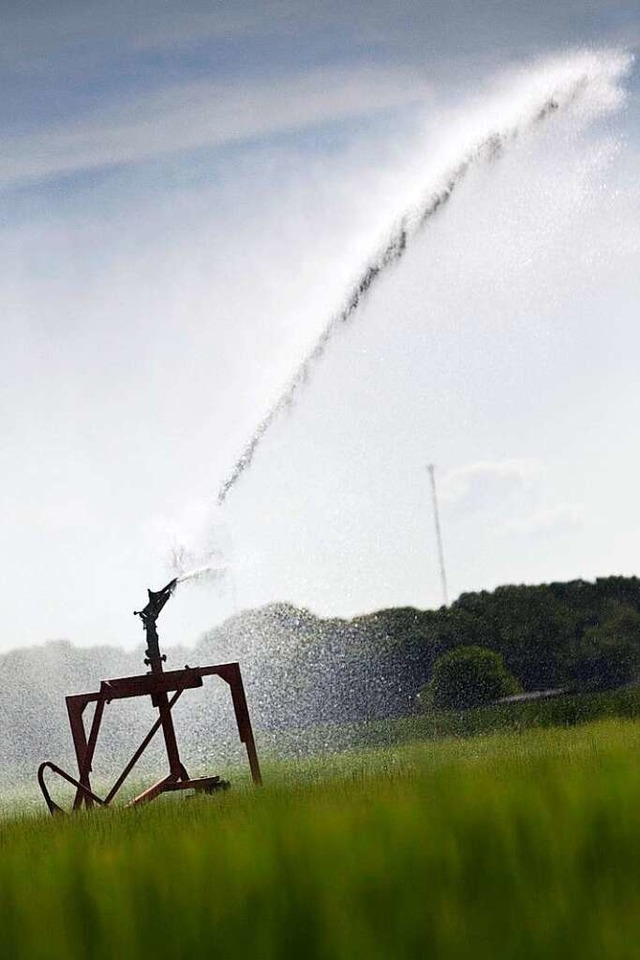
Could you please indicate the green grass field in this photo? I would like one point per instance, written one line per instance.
(516, 846)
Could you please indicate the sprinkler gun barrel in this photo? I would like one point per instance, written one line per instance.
(149, 615)
(157, 600)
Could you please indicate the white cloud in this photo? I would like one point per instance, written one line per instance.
(462, 482)
(516, 494)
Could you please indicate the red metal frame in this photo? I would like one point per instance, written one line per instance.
(157, 684)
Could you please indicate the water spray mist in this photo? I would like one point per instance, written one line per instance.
(590, 79)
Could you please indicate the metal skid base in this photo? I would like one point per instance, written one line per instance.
(158, 685)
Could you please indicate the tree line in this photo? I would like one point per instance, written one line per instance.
(579, 635)
(301, 670)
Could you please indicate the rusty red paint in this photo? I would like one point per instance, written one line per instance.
(157, 684)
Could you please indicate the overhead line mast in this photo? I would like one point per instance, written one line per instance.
(443, 575)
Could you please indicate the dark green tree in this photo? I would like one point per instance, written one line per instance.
(469, 677)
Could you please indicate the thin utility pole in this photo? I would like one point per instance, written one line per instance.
(443, 575)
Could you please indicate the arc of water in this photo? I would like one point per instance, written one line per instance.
(487, 150)
(208, 572)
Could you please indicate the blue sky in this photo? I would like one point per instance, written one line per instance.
(187, 194)
(60, 70)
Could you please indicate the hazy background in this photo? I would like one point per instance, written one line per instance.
(186, 195)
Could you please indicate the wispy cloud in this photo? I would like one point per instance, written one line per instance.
(472, 479)
(205, 114)
(515, 494)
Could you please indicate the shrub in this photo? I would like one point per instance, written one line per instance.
(468, 677)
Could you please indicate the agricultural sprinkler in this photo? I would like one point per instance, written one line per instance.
(165, 688)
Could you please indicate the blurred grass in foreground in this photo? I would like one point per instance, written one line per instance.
(515, 846)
